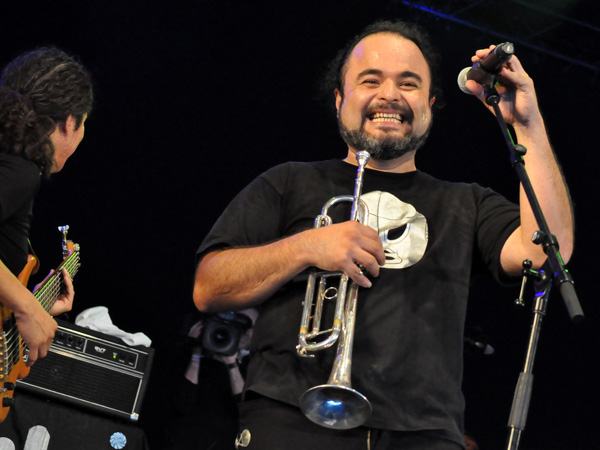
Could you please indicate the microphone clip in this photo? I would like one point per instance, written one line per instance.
(480, 75)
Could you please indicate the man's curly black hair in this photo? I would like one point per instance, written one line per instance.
(334, 76)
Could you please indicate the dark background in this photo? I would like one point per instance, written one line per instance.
(194, 99)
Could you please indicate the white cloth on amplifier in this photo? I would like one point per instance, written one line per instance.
(98, 319)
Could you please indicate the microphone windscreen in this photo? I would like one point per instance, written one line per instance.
(462, 80)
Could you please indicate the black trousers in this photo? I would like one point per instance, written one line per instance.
(267, 424)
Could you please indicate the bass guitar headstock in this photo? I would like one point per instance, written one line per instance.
(68, 247)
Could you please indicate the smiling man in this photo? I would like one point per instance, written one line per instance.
(414, 253)
(384, 106)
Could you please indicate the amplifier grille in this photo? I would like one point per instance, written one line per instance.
(68, 376)
(92, 370)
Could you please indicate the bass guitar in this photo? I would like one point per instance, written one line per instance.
(13, 351)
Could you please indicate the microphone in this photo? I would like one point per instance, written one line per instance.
(484, 71)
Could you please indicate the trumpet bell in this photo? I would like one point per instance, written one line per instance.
(336, 407)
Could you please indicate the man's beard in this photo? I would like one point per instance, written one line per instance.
(385, 148)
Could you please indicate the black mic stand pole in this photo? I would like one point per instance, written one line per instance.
(557, 272)
(522, 395)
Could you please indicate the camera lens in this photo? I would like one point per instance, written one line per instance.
(220, 337)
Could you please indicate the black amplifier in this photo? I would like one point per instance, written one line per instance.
(92, 370)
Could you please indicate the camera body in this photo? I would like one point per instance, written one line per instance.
(221, 333)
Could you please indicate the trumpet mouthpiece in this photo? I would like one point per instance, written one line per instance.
(362, 158)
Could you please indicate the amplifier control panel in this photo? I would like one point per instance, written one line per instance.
(98, 348)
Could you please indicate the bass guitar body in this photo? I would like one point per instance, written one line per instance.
(13, 351)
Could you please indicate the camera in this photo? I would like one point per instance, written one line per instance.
(221, 332)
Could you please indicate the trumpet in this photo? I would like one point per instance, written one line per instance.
(335, 404)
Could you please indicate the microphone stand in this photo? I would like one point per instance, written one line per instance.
(555, 271)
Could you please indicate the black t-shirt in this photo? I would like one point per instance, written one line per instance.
(19, 182)
(407, 357)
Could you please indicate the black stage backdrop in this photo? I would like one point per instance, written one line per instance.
(194, 99)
